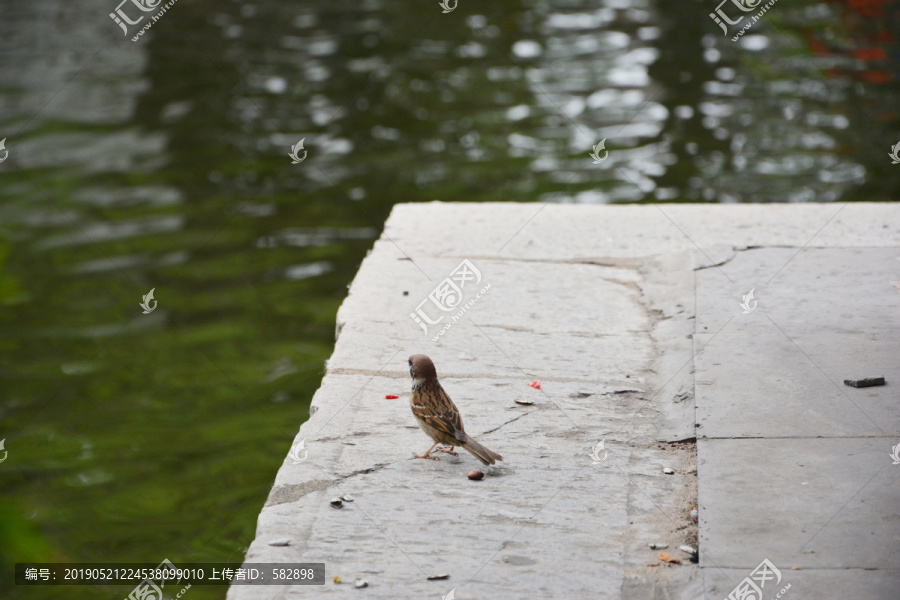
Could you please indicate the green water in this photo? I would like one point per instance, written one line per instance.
(164, 164)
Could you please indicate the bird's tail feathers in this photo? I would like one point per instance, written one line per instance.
(486, 456)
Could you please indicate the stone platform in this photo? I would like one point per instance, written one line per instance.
(638, 323)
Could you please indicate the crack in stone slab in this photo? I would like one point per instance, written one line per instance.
(507, 423)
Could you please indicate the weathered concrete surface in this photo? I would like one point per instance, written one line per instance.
(599, 302)
(811, 485)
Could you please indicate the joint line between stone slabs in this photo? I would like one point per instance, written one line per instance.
(368, 218)
(712, 262)
(663, 386)
(790, 339)
(842, 507)
(665, 514)
(543, 206)
(357, 392)
(524, 373)
(671, 220)
(810, 240)
(523, 525)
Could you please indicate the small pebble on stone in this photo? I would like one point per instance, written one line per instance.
(524, 402)
(688, 549)
(337, 503)
(360, 583)
(280, 543)
(476, 474)
(658, 546)
(441, 576)
(346, 498)
(668, 471)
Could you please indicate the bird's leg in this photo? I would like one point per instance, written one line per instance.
(450, 451)
(427, 453)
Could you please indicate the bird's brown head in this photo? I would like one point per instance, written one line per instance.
(421, 367)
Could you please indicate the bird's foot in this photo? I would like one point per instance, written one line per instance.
(426, 455)
(450, 451)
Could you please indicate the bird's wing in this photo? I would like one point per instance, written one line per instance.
(438, 411)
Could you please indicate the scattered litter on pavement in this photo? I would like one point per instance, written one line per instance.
(668, 558)
(861, 383)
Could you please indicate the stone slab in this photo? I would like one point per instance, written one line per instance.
(608, 306)
(778, 371)
(533, 515)
(613, 232)
(808, 503)
(809, 584)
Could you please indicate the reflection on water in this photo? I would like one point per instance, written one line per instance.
(164, 164)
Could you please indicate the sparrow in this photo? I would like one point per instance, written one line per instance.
(438, 416)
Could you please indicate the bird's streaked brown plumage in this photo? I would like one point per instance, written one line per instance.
(437, 415)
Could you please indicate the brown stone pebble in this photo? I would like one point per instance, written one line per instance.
(476, 474)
